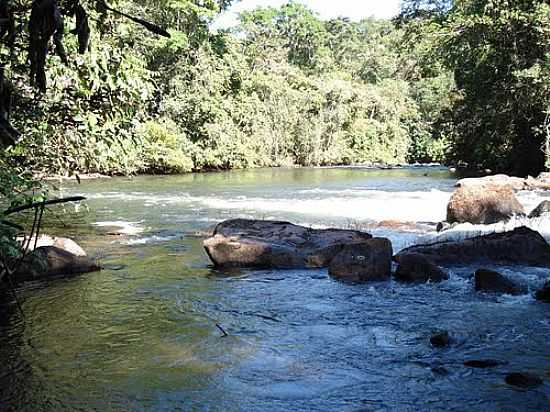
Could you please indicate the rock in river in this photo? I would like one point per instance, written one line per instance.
(483, 363)
(483, 204)
(274, 244)
(414, 267)
(64, 243)
(521, 246)
(543, 209)
(523, 380)
(490, 281)
(440, 339)
(48, 261)
(366, 261)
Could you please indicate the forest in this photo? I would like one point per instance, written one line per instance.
(464, 82)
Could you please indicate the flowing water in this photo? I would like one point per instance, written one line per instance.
(147, 333)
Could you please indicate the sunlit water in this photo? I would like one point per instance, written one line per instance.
(142, 334)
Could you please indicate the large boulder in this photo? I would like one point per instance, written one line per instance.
(543, 209)
(483, 204)
(274, 244)
(414, 267)
(490, 281)
(366, 261)
(48, 261)
(522, 246)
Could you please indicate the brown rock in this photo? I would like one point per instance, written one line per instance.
(522, 246)
(366, 261)
(483, 204)
(490, 281)
(274, 244)
(414, 267)
(48, 261)
(61, 242)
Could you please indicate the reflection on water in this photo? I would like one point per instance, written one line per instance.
(145, 336)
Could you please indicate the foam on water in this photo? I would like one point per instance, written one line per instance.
(148, 239)
(468, 230)
(360, 205)
(371, 205)
(125, 228)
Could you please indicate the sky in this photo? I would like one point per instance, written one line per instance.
(354, 9)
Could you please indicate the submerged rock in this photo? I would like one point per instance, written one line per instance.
(48, 261)
(521, 246)
(366, 261)
(542, 209)
(490, 281)
(543, 294)
(414, 267)
(440, 339)
(482, 363)
(483, 204)
(274, 244)
(523, 380)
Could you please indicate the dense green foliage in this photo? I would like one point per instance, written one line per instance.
(499, 52)
(286, 88)
(465, 81)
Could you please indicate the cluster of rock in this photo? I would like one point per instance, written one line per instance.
(357, 256)
(348, 254)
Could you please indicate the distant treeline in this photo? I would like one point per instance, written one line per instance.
(463, 82)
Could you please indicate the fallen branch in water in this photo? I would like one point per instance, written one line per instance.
(42, 204)
(222, 330)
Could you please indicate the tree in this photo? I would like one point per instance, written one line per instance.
(499, 53)
(44, 24)
(302, 34)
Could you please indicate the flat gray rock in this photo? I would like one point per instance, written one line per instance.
(521, 246)
(273, 244)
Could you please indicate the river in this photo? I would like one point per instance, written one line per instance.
(147, 333)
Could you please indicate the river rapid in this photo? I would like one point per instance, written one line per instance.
(148, 332)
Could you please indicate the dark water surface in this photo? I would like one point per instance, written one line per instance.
(142, 335)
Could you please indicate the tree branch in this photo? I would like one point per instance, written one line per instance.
(45, 203)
